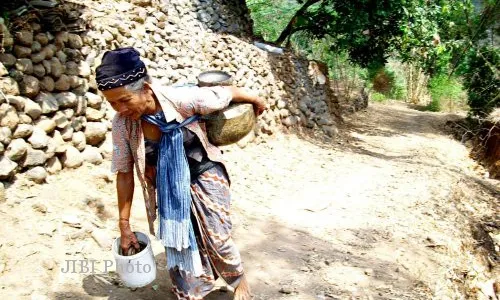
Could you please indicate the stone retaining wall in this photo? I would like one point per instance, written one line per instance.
(53, 117)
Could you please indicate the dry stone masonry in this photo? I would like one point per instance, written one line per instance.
(52, 116)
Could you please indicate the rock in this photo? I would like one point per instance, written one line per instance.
(95, 133)
(72, 158)
(37, 174)
(71, 68)
(48, 125)
(2, 195)
(63, 58)
(281, 104)
(16, 101)
(24, 38)
(143, 3)
(39, 72)
(42, 39)
(24, 118)
(93, 114)
(3, 70)
(289, 121)
(23, 131)
(72, 220)
(7, 168)
(34, 158)
(330, 130)
(22, 52)
(60, 145)
(2, 148)
(66, 99)
(30, 86)
(47, 84)
(7, 59)
(48, 52)
(75, 41)
(5, 135)
(47, 102)
(78, 123)
(60, 120)
(56, 68)
(39, 57)
(32, 109)
(62, 84)
(84, 69)
(92, 155)
(24, 65)
(8, 116)
(78, 140)
(39, 138)
(107, 147)
(102, 238)
(81, 105)
(67, 133)
(93, 100)
(9, 86)
(53, 165)
(35, 48)
(16, 149)
(39, 207)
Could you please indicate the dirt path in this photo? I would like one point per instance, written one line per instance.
(383, 212)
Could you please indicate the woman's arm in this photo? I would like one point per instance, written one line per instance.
(240, 95)
(125, 191)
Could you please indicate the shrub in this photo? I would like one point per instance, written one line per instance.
(445, 92)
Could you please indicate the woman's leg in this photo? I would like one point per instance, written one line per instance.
(212, 202)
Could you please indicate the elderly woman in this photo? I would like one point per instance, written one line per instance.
(156, 132)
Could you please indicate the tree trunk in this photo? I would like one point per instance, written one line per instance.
(289, 28)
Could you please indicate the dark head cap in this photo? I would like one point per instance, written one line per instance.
(119, 67)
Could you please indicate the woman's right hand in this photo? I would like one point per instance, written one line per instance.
(127, 237)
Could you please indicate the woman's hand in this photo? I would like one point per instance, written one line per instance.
(127, 237)
(259, 106)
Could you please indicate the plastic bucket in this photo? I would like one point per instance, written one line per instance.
(136, 270)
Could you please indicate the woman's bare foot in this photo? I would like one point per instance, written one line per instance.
(242, 292)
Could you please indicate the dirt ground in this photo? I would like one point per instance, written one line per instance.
(392, 208)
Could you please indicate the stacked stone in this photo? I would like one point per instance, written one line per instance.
(50, 114)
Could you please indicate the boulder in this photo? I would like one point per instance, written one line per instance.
(9, 86)
(72, 158)
(16, 101)
(5, 135)
(78, 140)
(29, 86)
(34, 158)
(92, 155)
(37, 174)
(66, 99)
(53, 165)
(23, 131)
(24, 38)
(47, 125)
(16, 149)
(32, 109)
(39, 138)
(7, 168)
(95, 133)
(8, 116)
(47, 102)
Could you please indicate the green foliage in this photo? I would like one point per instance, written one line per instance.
(446, 92)
(270, 17)
(481, 79)
(378, 97)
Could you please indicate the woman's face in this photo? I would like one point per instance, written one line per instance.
(130, 103)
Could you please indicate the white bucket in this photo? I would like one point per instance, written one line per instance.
(136, 270)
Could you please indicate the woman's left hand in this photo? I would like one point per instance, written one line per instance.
(259, 106)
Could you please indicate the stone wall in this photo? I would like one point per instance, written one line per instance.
(52, 115)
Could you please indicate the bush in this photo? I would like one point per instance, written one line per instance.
(445, 93)
(481, 79)
(378, 97)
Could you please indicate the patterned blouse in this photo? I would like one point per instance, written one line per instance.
(128, 138)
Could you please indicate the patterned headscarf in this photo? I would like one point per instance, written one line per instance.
(119, 67)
